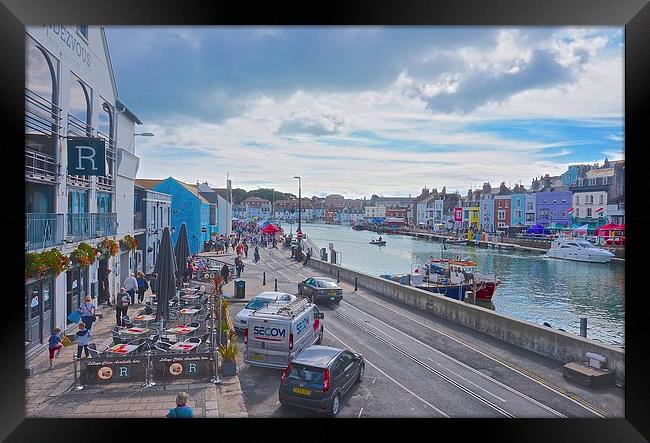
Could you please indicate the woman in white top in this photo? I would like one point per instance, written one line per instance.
(87, 310)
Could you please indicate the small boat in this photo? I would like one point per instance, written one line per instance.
(358, 227)
(578, 249)
(378, 242)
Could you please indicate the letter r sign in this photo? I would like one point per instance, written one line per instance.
(86, 156)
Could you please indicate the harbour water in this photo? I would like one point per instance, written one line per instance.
(532, 288)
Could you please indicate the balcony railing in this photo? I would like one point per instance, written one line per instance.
(42, 129)
(43, 231)
(91, 225)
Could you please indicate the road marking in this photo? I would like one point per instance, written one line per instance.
(512, 390)
(517, 370)
(359, 416)
(469, 381)
(391, 378)
(387, 335)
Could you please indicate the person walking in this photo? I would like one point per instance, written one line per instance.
(246, 249)
(239, 265)
(181, 410)
(225, 272)
(87, 311)
(143, 286)
(256, 256)
(54, 345)
(131, 286)
(83, 338)
(104, 289)
(153, 283)
(122, 301)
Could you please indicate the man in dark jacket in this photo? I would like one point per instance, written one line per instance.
(224, 273)
(153, 283)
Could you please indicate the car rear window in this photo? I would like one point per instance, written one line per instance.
(307, 374)
(327, 284)
(257, 303)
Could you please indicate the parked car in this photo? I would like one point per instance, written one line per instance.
(321, 288)
(319, 377)
(260, 301)
(279, 332)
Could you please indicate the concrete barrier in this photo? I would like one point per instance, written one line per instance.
(557, 345)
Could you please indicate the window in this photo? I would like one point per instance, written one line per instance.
(554, 202)
(600, 199)
(577, 199)
(577, 212)
(517, 202)
(592, 181)
(588, 212)
(502, 214)
(591, 199)
(40, 80)
(563, 214)
(604, 180)
(579, 182)
(545, 201)
(563, 201)
(83, 30)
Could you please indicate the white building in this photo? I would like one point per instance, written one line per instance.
(374, 211)
(531, 206)
(71, 91)
(221, 207)
(152, 213)
(590, 204)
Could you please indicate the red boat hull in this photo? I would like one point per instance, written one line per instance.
(485, 290)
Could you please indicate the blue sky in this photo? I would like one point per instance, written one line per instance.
(363, 110)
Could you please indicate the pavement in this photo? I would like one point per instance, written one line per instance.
(51, 393)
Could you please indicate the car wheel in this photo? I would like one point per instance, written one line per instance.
(335, 406)
(362, 371)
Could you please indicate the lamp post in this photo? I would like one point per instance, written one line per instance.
(299, 203)
(142, 134)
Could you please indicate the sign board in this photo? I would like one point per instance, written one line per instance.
(174, 367)
(115, 369)
(86, 156)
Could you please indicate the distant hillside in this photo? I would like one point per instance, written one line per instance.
(239, 195)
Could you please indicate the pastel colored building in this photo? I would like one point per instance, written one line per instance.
(518, 210)
(552, 208)
(502, 211)
(487, 212)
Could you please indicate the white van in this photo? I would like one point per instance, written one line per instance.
(276, 334)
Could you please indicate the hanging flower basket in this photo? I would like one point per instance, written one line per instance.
(108, 248)
(128, 243)
(45, 264)
(85, 254)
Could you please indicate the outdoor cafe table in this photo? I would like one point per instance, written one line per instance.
(189, 311)
(145, 317)
(122, 349)
(134, 331)
(183, 346)
(182, 330)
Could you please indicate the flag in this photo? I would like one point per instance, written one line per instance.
(569, 211)
(599, 210)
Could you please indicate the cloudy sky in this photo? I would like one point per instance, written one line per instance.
(363, 110)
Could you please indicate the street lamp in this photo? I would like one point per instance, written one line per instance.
(299, 202)
(145, 134)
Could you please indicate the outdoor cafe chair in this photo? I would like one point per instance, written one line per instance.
(162, 347)
(139, 342)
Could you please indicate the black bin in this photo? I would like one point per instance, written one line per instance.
(240, 289)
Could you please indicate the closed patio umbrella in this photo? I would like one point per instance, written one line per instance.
(166, 269)
(181, 252)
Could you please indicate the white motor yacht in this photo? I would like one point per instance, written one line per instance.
(578, 249)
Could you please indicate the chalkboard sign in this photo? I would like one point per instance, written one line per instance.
(115, 370)
(174, 367)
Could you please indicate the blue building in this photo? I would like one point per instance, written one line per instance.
(188, 207)
(570, 177)
(518, 210)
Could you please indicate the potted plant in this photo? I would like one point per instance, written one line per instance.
(128, 243)
(34, 265)
(85, 254)
(55, 262)
(228, 354)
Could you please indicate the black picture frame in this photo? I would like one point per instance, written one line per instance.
(633, 14)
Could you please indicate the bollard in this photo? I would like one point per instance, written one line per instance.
(264, 278)
(77, 385)
(355, 284)
(338, 276)
(276, 285)
(583, 327)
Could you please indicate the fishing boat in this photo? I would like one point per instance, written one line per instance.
(456, 241)
(451, 278)
(378, 242)
(578, 249)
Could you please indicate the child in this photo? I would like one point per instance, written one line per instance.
(83, 338)
(181, 410)
(55, 344)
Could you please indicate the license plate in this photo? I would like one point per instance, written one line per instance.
(257, 357)
(302, 391)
